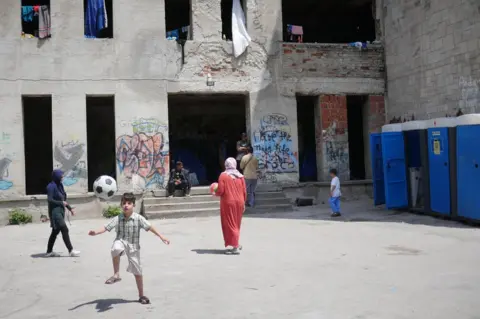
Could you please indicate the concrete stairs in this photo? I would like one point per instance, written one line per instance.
(202, 204)
(199, 204)
(270, 198)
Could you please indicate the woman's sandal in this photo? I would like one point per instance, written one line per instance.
(144, 300)
(112, 280)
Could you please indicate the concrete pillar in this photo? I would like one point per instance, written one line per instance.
(264, 23)
(12, 160)
(206, 20)
(147, 17)
(142, 146)
(274, 135)
(69, 134)
(334, 148)
(373, 120)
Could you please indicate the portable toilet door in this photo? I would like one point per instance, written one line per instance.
(416, 153)
(394, 170)
(442, 165)
(468, 166)
(377, 169)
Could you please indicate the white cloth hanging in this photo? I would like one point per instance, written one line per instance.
(240, 38)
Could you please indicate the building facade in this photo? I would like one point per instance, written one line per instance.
(114, 105)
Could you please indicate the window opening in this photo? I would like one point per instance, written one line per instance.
(36, 19)
(98, 18)
(177, 19)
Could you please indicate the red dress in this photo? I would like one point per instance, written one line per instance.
(232, 205)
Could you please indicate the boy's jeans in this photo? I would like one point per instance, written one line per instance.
(251, 186)
(335, 204)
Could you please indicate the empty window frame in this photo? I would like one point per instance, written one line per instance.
(226, 12)
(98, 19)
(178, 17)
(328, 21)
(36, 19)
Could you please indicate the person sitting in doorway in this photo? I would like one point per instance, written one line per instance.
(178, 180)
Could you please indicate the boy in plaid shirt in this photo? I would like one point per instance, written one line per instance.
(127, 226)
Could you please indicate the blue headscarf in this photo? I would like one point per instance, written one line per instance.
(56, 184)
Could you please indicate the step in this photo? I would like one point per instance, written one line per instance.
(174, 205)
(197, 190)
(184, 213)
(262, 209)
(269, 195)
(268, 201)
(196, 198)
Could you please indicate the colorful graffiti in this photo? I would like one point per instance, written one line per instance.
(68, 156)
(145, 153)
(4, 183)
(272, 144)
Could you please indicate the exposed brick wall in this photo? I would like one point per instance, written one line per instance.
(331, 60)
(376, 113)
(334, 139)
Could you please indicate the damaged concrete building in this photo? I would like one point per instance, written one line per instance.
(159, 82)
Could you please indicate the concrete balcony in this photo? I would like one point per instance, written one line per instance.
(304, 60)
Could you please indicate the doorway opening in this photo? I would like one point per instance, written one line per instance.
(346, 21)
(307, 150)
(100, 137)
(178, 14)
(356, 143)
(203, 132)
(38, 144)
(98, 20)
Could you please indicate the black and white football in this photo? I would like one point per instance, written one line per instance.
(105, 187)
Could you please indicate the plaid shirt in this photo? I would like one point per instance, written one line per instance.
(128, 230)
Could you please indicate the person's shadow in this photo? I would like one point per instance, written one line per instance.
(103, 305)
(209, 251)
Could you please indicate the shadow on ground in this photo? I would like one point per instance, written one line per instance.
(359, 211)
(209, 251)
(102, 305)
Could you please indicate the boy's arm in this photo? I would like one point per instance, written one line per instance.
(156, 233)
(146, 225)
(108, 227)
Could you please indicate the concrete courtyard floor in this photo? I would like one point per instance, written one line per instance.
(369, 264)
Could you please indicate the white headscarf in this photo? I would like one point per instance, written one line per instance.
(231, 168)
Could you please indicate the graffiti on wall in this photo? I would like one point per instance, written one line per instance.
(5, 161)
(69, 158)
(470, 98)
(272, 144)
(145, 153)
(5, 184)
(335, 141)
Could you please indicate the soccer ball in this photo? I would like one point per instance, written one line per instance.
(213, 188)
(105, 187)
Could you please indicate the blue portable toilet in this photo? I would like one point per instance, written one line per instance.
(468, 166)
(391, 154)
(416, 161)
(442, 165)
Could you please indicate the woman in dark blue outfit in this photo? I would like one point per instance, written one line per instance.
(57, 201)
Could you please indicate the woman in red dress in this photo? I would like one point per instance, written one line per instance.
(233, 194)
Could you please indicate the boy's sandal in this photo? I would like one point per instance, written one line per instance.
(144, 300)
(112, 280)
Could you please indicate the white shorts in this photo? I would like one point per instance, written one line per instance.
(133, 255)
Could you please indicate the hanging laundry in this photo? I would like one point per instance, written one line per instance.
(44, 24)
(358, 45)
(173, 35)
(295, 32)
(240, 38)
(27, 13)
(96, 18)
